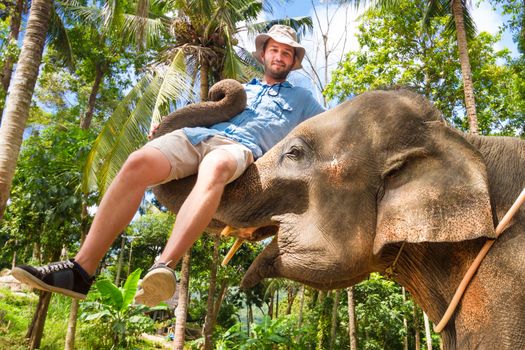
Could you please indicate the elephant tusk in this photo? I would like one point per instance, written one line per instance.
(226, 231)
(232, 251)
(243, 232)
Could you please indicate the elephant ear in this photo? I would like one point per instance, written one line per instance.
(437, 192)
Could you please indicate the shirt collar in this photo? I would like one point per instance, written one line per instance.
(256, 81)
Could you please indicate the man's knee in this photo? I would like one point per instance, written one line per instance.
(147, 164)
(220, 166)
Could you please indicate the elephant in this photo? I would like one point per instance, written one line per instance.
(382, 178)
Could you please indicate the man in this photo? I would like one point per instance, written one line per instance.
(218, 155)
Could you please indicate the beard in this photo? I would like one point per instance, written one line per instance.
(277, 73)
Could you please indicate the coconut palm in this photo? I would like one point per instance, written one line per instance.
(56, 36)
(460, 22)
(19, 99)
(204, 47)
(17, 107)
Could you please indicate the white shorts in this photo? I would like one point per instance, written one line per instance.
(185, 157)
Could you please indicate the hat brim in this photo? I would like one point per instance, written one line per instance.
(262, 38)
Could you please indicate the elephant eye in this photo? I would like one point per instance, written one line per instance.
(294, 153)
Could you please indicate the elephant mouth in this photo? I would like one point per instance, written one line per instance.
(252, 234)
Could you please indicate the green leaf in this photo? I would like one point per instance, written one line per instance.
(110, 293)
(97, 315)
(130, 288)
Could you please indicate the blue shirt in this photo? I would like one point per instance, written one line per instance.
(271, 112)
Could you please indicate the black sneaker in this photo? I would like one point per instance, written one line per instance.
(64, 277)
(158, 285)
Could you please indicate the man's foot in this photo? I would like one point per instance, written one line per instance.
(64, 277)
(158, 285)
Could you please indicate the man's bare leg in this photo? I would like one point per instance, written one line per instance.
(197, 210)
(195, 214)
(143, 168)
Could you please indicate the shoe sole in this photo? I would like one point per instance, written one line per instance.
(34, 282)
(158, 285)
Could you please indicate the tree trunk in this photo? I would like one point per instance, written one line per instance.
(335, 308)
(14, 30)
(322, 322)
(277, 303)
(73, 312)
(72, 325)
(405, 322)
(85, 122)
(427, 331)
(352, 324)
(248, 309)
(19, 98)
(218, 302)
(416, 327)
(270, 306)
(182, 306)
(120, 260)
(36, 329)
(205, 84)
(292, 293)
(301, 307)
(208, 321)
(468, 87)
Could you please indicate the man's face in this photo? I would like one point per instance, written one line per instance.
(278, 59)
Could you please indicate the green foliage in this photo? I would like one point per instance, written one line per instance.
(109, 313)
(150, 233)
(45, 203)
(268, 334)
(9, 49)
(515, 10)
(380, 309)
(395, 52)
(15, 314)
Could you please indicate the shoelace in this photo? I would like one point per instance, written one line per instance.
(54, 267)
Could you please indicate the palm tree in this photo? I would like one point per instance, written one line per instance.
(19, 99)
(14, 30)
(182, 306)
(205, 48)
(56, 36)
(460, 20)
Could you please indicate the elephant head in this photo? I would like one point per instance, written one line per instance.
(342, 187)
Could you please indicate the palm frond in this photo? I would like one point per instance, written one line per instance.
(87, 14)
(302, 25)
(104, 144)
(57, 36)
(174, 86)
(437, 8)
(468, 21)
(126, 129)
(142, 31)
(250, 67)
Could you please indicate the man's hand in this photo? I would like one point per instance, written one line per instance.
(153, 130)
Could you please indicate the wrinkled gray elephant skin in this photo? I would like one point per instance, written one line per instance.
(346, 188)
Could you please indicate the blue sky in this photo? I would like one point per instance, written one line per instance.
(341, 41)
(486, 18)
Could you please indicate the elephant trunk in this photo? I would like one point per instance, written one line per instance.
(227, 98)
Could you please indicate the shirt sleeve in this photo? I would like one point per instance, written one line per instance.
(312, 106)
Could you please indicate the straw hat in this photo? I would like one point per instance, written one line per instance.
(284, 35)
